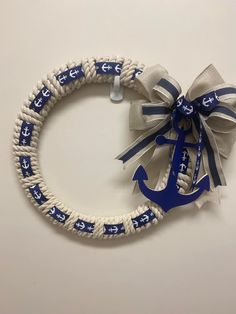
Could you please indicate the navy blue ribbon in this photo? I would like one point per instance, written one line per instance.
(77, 72)
(147, 140)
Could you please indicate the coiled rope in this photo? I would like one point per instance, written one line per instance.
(29, 123)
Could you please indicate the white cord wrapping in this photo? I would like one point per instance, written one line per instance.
(28, 115)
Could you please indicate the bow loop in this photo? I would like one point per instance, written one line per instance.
(157, 85)
(144, 115)
(161, 91)
(204, 83)
(167, 89)
(146, 81)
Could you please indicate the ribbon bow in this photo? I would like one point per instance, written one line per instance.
(210, 106)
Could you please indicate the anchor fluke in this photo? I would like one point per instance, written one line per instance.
(161, 139)
(140, 174)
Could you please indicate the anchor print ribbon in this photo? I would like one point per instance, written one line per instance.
(210, 105)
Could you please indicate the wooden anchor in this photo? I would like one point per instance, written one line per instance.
(170, 197)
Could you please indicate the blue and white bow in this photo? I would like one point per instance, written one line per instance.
(210, 104)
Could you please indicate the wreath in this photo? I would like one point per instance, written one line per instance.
(188, 136)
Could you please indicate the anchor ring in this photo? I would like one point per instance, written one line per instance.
(181, 118)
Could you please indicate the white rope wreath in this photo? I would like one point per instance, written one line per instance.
(49, 91)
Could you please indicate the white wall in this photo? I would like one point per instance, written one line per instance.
(185, 264)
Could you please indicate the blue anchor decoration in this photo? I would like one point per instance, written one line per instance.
(170, 197)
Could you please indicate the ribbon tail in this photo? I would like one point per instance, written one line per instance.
(144, 142)
(211, 157)
(211, 196)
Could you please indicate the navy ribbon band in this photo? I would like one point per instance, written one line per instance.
(167, 85)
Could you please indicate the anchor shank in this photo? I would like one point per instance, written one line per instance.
(176, 161)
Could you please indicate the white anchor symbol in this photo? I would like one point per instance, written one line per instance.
(182, 167)
(73, 73)
(106, 67)
(135, 223)
(25, 164)
(61, 217)
(179, 102)
(38, 103)
(62, 78)
(80, 225)
(137, 73)
(37, 195)
(46, 92)
(145, 218)
(27, 174)
(113, 229)
(25, 131)
(188, 109)
(206, 102)
(52, 211)
(24, 142)
(117, 68)
(90, 228)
